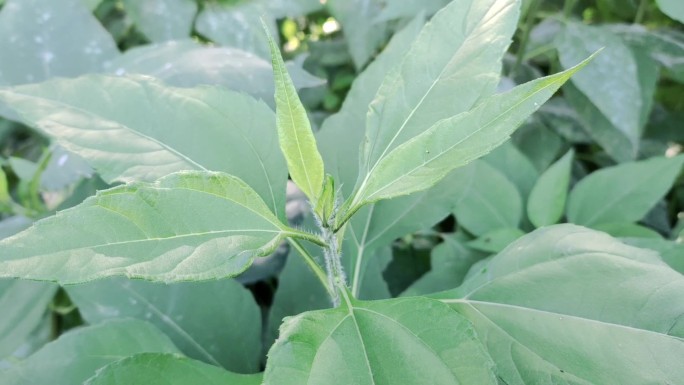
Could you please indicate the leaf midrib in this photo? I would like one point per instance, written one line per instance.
(467, 137)
(100, 117)
(541, 264)
(469, 34)
(284, 85)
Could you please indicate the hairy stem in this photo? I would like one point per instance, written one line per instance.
(333, 262)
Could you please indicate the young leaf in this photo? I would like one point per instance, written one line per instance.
(187, 312)
(297, 141)
(167, 369)
(408, 341)
(186, 226)
(623, 193)
(139, 129)
(440, 75)
(424, 160)
(77, 355)
(326, 203)
(338, 139)
(536, 307)
(547, 200)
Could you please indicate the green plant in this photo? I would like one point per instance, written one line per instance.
(204, 171)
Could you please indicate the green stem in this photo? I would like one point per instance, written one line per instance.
(568, 7)
(307, 237)
(640, 12)
(333, 263)
(309, 259)
(346, 217)
(524, 40)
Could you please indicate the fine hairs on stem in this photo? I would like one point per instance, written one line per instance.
(331, 252)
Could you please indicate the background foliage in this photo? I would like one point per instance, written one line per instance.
(603, 153)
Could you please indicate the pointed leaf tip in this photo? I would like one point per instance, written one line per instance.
(296, 139)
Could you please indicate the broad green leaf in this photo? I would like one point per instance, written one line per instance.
(613, 90)
(92, 4)
(216, 322)
(560, 116)
(130, 129)
(672, 8)
(535, 305)
(497, 240)
(517, 167)
(408, 341)
(648, 75)
(186, 226)
(485, 200)
(236, 25)
(617, 145)
(341, 134)
(547, 200)
(362, 34)
(162, 20)
(31, 343)
(666, 46)
(187, 63)
(450, 260)
(292, 8)
(440, 75)
(623, 193)
(539, 141)
(63, 169)
(296, 139)
(397, 9)
(167, 369)
(424, 160)
(12, 225)
(627, 229)
(23, 305)
(76, 355)
(46, 38)
(671, 252)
